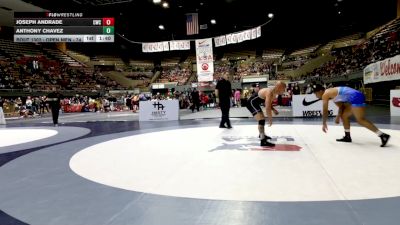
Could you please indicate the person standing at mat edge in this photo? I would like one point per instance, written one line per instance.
(350, 102)
(266, 96)
(54, 99)
(223, 92)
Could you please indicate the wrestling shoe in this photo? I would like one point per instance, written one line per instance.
(384, 138)
(265, 143)
(344, 139)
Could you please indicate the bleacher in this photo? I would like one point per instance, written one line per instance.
(390, 27)
(383, 44)
(347, 39)
(62, 57)
(19, 49)
(298, 57)
(272, 55)
(305, 51)
(175, 73)
(237, 55)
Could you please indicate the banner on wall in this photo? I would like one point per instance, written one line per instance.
(311, 106)
(204, 59)
(394, 102)
(385, 70)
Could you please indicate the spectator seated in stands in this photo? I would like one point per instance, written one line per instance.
(175, 74)
(349, 59)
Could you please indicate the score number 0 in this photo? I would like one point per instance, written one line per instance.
(108, 21)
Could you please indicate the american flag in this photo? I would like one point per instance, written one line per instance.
(192, 23)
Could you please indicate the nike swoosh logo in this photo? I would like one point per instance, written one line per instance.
(305, 103)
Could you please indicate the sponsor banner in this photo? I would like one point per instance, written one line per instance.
(166, 45)
(394, 102)
(311, 106)
(153, 47)
(264, 78)
(179, 45)
(206, 84)
(258, 32)
(159, 110)
(229, 39)
(254, 33)
(205, 61)
(240, 37)
(234, 38)
(220, 41)
(385, 70)
(247, 35)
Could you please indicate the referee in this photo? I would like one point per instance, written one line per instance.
(223, 92)
(54, 99)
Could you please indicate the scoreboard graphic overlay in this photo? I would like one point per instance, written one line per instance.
(62, 27)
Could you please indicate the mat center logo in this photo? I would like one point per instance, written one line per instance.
(252, 143)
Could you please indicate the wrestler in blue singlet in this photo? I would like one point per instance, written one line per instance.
(350, 95)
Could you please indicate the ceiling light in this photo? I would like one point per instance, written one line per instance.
(165, 5)
(270, 15)
(156, 1)
(339, 12)
(213, 21)
(161, 27)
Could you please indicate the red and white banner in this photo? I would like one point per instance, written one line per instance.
(385, 70)
(394, 103)
(205, 61)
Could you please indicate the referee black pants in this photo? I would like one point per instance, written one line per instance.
(55, 111)
(225, 115)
